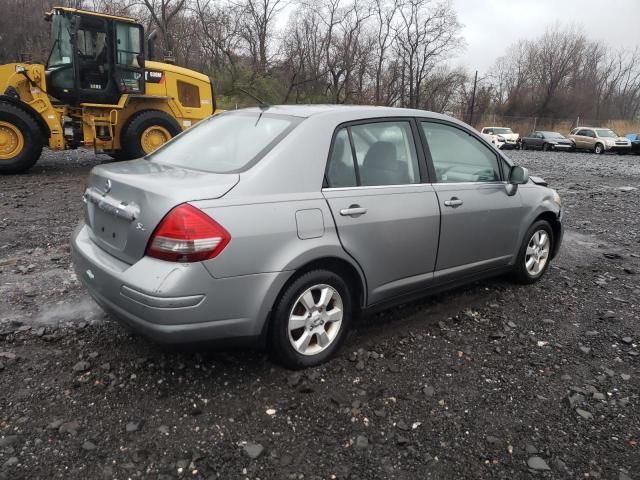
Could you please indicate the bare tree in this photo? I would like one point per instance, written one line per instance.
(259, 19)
(163, 12)
(427, 32)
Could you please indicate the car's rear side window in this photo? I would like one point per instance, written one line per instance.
(459, 157)
(227, 143)
(385, 154)
(341, 171)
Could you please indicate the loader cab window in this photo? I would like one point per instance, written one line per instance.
(129, 57)
(93, 55)
(61, 49)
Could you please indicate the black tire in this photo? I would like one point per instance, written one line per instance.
(523, 146)
(131, 137)
(33, 140)
(118, 155)
(598, 149)
(280, 345)
(520, 273)
(545, 147)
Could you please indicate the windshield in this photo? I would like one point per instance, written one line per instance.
(553, 135)
(606, 133)
(61, 50)
(226, 143)
(502, 131)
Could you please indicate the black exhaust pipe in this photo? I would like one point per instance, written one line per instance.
(151, 45)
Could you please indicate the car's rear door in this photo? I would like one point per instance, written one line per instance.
(480, 221)
(386, 213)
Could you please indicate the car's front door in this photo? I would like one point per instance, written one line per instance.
(387, 216)
(480, 220)
(537, 139)
(583, 140)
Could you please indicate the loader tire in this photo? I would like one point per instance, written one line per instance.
(147, 131)
(21, 140)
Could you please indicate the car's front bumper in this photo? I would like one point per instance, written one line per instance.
(617, 148)
(563, 146)
(559, 233)
(508, 145)
(175, 302)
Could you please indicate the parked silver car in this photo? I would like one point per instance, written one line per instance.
(279, 225)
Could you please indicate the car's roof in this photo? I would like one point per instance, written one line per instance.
(366, 111)
(499, 127)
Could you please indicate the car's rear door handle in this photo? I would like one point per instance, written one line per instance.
(454, 202)
(353, 211)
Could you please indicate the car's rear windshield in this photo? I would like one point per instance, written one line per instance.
(500, 131)
(227, 143)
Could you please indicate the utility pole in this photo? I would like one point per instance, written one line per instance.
(473, 99)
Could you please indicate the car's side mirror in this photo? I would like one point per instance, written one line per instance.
(518, 175)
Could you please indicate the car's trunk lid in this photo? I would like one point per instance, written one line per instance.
(126, 201)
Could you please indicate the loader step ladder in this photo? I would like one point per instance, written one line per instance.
(102, 119)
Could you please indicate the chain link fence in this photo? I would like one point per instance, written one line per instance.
(526, 125)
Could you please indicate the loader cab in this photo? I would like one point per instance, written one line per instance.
(94, 58)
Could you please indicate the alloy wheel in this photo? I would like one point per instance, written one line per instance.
(315, 319)
(537, 254)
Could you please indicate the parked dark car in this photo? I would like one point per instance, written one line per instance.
(547, 141)
(635, 142)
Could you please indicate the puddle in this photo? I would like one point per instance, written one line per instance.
(581, 248)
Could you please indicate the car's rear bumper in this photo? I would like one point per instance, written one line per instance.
(175, 302)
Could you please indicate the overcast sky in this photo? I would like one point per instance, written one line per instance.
(490, 26)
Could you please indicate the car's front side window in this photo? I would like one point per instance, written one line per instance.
(385, 154)
(458, 157)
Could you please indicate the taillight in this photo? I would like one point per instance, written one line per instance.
(187, 234)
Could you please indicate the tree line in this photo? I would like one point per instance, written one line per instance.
(384, 52)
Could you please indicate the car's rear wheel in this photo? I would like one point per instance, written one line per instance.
(599, 148)
(523, 146)
(545, 147)
(535, 253)
(310, 320)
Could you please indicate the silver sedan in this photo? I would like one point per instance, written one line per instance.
(278, 225)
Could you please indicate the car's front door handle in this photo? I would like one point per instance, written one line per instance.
(353, 211)
(454, 202)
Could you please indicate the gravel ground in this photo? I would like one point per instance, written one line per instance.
(488, 381)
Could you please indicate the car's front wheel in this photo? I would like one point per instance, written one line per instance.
(535, 253)
(311, 319)
(599, 148)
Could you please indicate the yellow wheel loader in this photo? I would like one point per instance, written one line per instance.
(96, 91)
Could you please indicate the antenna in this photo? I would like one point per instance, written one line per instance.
(261, 103)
